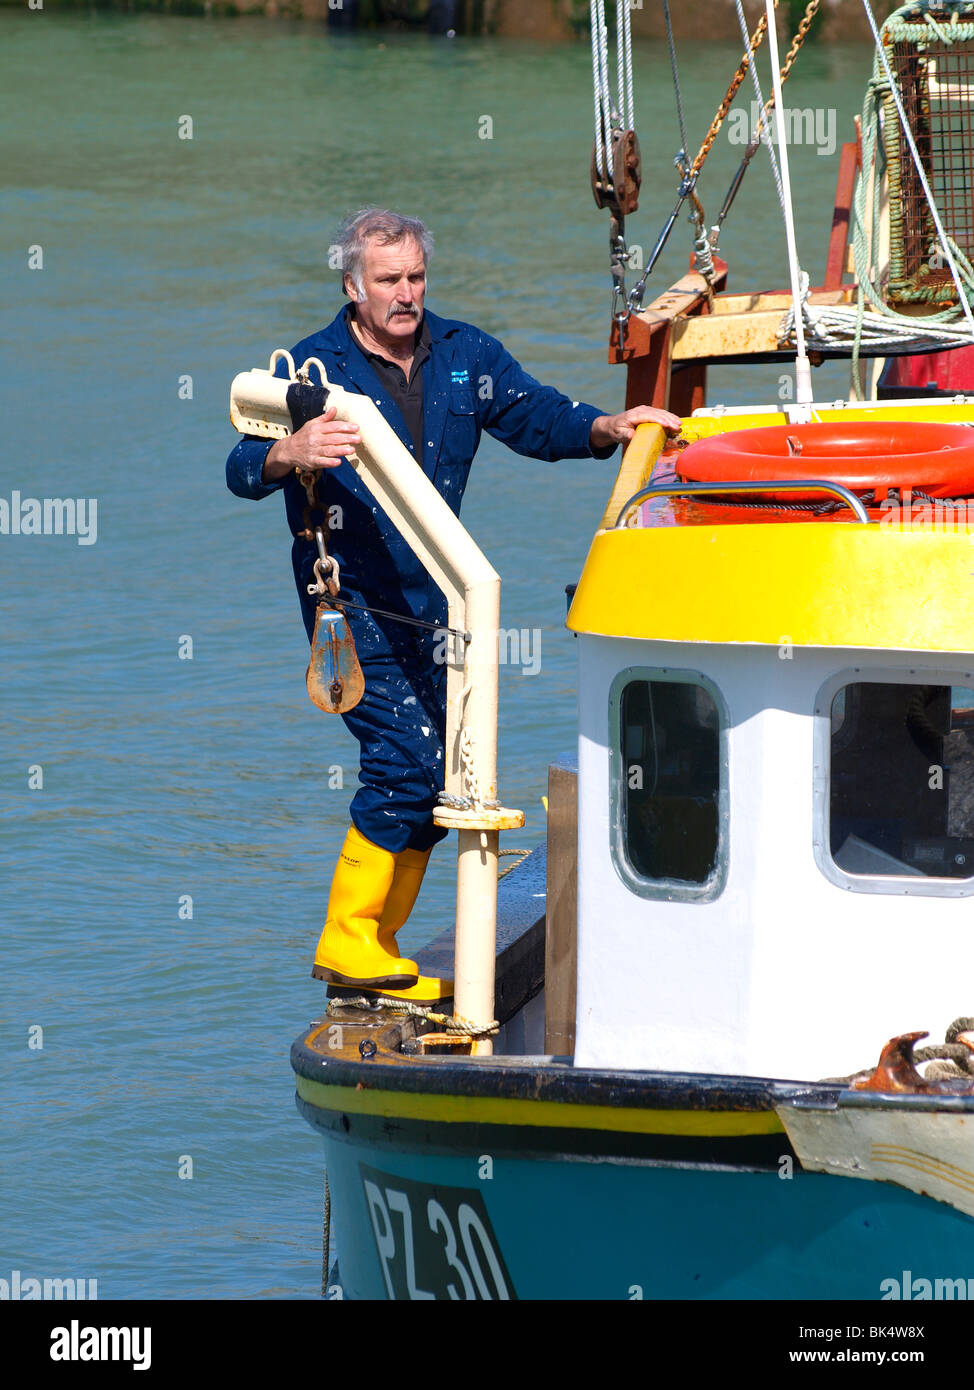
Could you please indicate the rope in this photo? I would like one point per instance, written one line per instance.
(620, 75)
(383, 612)
(624, 66)
(597, 27)
(831, 325)
(703, 251)
(630, 121)
(903, 23)
(522, 854)
(704, 244)
(801, 33)
(945, 241)
(470, 771)
(879, 325)
(604, 67)
(404, 1008)
(751, 45)
(606, 97)
(951, 1059)
(884, 323)
(473, 801)
(676, 78)
(621, 115)
(764, 132)
(811, 9)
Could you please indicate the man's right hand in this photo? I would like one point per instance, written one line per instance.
(322, 443)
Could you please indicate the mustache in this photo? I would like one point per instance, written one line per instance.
(396, 309)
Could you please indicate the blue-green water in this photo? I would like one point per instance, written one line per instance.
(166, 1037)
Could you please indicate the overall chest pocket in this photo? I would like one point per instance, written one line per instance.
(461, 436)
(462, 431)
(462, 401)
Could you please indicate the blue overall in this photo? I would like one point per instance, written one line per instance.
(470, 384)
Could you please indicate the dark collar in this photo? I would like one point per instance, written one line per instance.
(421, 349)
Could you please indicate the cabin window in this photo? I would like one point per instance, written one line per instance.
(901, 781)
(669, 760)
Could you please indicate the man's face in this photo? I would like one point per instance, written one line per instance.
(394, 281)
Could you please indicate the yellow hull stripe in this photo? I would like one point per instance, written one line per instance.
(546, 1114)
(815, 584)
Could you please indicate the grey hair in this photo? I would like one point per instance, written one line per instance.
(384, 226)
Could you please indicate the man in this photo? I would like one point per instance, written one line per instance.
(438, 383)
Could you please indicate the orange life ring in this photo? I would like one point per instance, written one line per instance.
(865, 455)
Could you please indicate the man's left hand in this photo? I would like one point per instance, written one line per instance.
(619, 429)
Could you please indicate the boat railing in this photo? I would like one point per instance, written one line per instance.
(763, 485)
(260, 405)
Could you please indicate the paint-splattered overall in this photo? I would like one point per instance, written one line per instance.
(470, 384)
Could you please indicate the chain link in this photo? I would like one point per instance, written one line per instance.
(757, 38)
(623, 305)
(811, 10)
(326, 577)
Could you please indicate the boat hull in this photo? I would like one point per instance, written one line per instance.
(419, 1215)
(528, 1178)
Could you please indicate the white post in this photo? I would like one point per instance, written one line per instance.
(476, 945)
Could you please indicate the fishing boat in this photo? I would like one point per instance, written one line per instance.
(766, 827)
(682, 1059)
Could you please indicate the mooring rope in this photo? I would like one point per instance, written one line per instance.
(951, 1060)
(404, 1008)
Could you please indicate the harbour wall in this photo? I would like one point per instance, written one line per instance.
(839, 21)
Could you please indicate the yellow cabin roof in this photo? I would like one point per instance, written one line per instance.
(808, 584)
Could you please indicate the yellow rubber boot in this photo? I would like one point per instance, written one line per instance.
(410, 868)
(349, 952)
